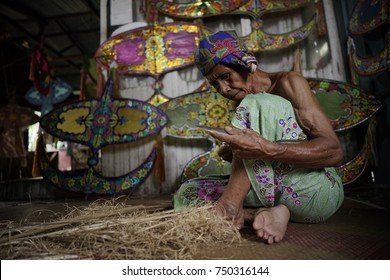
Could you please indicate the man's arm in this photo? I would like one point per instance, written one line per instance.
(323, 147)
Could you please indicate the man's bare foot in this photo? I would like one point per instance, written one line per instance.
(230, 211)
(270, 224)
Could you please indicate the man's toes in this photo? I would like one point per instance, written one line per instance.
(270, 240)
(258, 222)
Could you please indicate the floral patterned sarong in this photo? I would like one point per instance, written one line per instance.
(311, 195)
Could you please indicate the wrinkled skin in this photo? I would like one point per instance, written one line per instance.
(322, 149)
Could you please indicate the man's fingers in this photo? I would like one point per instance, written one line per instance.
(227, 136)
(232, 130)
(221, 136)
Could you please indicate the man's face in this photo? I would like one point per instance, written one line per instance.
(229, 83)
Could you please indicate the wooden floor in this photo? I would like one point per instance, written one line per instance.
(359, 230)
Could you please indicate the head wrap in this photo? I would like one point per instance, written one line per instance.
(223, 47)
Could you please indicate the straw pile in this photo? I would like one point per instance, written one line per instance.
(112, 231)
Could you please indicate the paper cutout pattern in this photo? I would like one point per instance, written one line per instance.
(151, 50)
(98, 123)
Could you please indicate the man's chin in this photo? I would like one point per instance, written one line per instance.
(239, 96)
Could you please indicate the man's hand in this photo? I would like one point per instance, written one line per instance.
(225, 152)
(244, 143)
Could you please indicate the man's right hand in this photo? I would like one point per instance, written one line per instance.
(225, 152)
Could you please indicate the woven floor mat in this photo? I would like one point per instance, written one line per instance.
(356, 231)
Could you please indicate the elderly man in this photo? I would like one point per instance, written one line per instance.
(282, 146)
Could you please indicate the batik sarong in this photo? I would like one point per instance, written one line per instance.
(311, 195)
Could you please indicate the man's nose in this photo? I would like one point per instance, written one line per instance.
(224, 88)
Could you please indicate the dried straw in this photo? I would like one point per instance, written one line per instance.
(113, 230)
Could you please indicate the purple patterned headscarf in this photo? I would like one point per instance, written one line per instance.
(223, 47)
